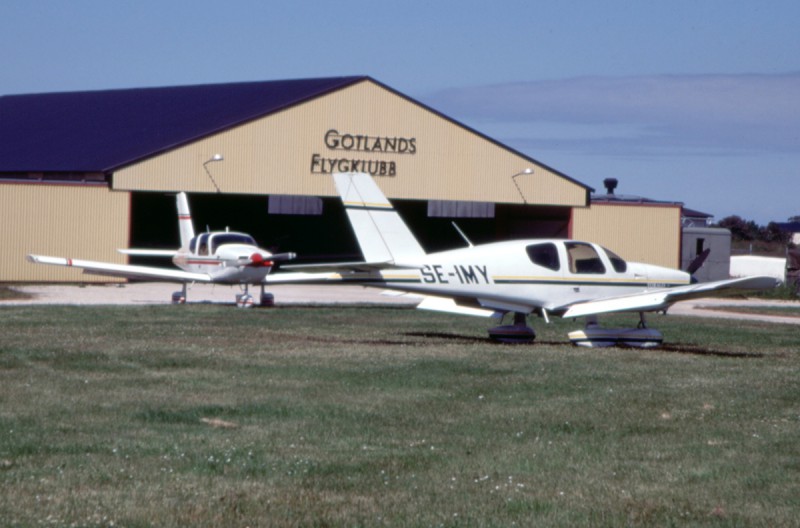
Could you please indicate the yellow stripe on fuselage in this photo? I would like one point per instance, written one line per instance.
(585, 280)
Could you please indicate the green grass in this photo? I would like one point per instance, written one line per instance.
(783, 311)
(210, 416)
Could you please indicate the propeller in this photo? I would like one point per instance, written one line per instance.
(697, 263)
(257, 260)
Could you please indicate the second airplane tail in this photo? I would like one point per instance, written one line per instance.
(184, 220)
(381, 233)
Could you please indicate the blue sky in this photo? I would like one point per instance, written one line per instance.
(693, 101)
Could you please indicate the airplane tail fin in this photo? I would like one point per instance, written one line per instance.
(381, 233)
(184, 220)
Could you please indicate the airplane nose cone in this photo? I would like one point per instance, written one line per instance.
(257, 260)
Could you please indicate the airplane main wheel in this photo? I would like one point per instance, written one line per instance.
(178, 298)
(512, 334)
(244, 300)
(267, 300)
(517, 333)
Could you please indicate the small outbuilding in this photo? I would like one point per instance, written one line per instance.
(634, 227)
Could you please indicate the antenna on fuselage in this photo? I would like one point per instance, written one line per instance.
(460, 232)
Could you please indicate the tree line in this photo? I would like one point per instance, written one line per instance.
(749, 231)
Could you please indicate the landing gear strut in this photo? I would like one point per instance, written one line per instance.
(517, 333)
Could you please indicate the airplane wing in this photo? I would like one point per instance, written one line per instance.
(662, 299)
(122, 270)
(449, 305)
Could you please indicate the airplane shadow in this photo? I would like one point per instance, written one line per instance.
(445, 336)
(694, 350)
(676, 348)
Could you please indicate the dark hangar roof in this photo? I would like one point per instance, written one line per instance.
(99, 131)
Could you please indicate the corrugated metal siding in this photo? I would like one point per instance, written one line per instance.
(76, 221)
(639, 233)
(274, 155)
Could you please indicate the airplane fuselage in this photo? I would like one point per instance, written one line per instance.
(227, 258)
(547, 273)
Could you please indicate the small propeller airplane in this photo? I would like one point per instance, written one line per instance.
(222, 257)
(566, 278)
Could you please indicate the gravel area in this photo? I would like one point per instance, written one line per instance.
(160, 293)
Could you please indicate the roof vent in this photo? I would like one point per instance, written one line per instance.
(611, 184)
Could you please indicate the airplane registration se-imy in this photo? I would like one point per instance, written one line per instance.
(220, 257)
(546, 277)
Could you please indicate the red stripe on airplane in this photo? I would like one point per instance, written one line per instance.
(204, 262)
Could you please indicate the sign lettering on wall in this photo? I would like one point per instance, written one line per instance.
(343, 149)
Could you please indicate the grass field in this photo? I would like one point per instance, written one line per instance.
(783, 311)
(206, 415)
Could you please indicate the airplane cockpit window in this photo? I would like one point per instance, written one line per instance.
(193, 244)
(230, 238)
(620, 266)
(583, 258)
(545, 255)
(202, 244)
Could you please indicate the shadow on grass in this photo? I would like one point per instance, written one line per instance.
(676, 348)
(700, 351)
(445, 336)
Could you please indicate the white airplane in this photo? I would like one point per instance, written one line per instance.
(222, 257)
(567, 278)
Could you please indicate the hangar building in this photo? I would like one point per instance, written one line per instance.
(84, 173)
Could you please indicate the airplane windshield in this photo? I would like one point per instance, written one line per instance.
(620, 266)
(230, 238)
(583, 258)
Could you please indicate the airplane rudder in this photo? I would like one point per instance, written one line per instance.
(381, 232)
(185, 225)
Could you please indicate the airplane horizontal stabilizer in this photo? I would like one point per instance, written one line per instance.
(122, 270)
(662, 299)
(343, 267)
(299, 277)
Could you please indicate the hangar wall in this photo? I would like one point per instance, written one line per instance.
(86, 221)
(415, 152)
(641, 233)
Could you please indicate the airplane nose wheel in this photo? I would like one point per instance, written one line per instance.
(517, 333)
(244, 300)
